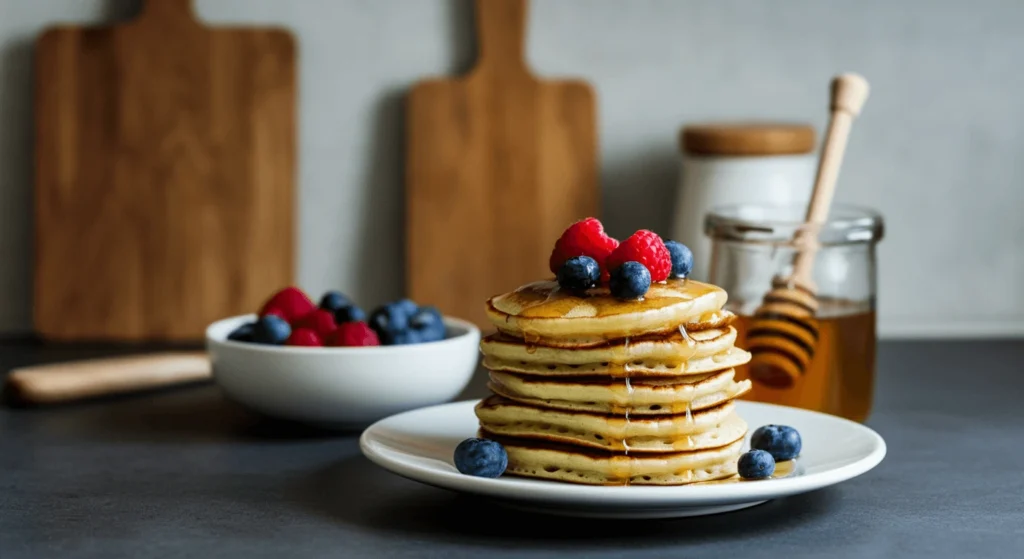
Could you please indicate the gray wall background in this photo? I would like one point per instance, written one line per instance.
(937, 149)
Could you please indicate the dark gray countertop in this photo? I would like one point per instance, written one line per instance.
(186, 474)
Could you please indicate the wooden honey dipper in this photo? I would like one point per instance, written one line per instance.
(784, 331)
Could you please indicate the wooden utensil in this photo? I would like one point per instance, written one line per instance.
(165, 161)
(783, 331)
(499, 162)
(67, 382)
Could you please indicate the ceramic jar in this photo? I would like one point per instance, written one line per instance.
(727, 164)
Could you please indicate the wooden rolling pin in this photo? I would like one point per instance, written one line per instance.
(78, 380)
(784, 332)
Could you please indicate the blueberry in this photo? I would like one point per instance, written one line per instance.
(402, 322)
(349, 313)
(271, 329)
(425, 317)
(682, 258)
(428, 322)
(436, 334)
(392, 317)
(781, 441)
(404, 337)
(630, 281)
(406, 306)
(243, 333)
(379, 320)
(756, 464)
(481, 458)
(334, 300)
(579, 273)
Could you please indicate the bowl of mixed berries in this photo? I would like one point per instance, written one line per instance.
(333, 364)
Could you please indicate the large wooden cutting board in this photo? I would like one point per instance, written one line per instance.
(165, 163)
(498, 163)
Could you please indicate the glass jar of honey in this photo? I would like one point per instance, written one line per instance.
(833, 347)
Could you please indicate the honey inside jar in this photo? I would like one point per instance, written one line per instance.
(752, 246)
(841, 375)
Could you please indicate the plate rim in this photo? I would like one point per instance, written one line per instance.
(540, 491)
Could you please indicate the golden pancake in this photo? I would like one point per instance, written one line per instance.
(542, 313)
(576, 465)
(637, 397)
(663, 354)
(705, 429)
(728, 359)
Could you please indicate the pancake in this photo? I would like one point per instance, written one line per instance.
(638, 397)
(576, 465)
(733, 357)
(664, 354)
(701, 430)
(541, 312)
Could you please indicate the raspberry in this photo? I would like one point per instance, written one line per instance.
(583, 238)
(289, 303)
(304, 337)
(353, 334)
(647, 248)
(319, 321)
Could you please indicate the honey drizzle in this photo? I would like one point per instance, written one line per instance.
(626, 473)
(532, 340)
(544, 299)
(691, 350)
(629, 404)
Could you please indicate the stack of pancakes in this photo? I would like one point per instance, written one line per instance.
(596, 390)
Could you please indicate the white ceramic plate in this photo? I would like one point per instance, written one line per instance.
(419, 445)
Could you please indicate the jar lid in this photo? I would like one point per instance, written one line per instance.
(747, 138)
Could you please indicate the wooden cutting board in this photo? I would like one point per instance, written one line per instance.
(165, 164)
(498, 163)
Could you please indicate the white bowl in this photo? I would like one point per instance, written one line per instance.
(342, 387)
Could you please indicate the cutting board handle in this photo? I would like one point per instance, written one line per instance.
(501, 36)
(67, 382)
(167, 11)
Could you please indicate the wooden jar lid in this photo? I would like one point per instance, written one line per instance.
(750, 138)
